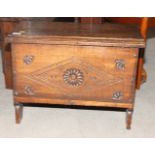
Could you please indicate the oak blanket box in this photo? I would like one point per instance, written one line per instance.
(75, 64)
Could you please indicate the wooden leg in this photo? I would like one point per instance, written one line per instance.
(129, 113)
(18, 112)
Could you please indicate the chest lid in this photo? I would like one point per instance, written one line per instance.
(106, 34)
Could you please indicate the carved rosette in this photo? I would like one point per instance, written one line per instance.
(73, 77)
(117, 95)
(28, 59)
(120, 64)
(28, 90)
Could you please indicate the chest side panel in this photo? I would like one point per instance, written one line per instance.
(74, 72)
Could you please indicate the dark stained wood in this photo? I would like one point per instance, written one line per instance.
(75, 64)
(8, 24)
(44, 75)
(131, 20)
(82, 34)
(38, 101)
(129, 113)
(141, 73)
(7, 66)
(17, 19)
(18, 112)
(91, 20)
(40, 25)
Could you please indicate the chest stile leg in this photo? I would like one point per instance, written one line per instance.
(129, 113)
(18, 112)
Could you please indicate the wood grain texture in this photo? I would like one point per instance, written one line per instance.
(81, 34)
(91, 20)
(72, 102)
(44, 74)
(121, 36)
(75, 64)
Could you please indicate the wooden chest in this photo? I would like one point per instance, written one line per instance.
(75, 64)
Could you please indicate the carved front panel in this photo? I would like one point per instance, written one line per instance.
(88, 73)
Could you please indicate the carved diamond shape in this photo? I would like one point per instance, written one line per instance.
(53, 75)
